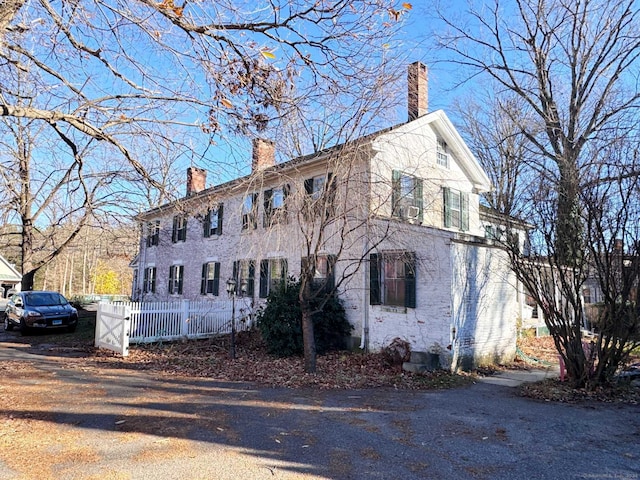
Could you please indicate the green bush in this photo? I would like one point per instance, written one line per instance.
(280, 322)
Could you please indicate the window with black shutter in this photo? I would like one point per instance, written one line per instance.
(273, 272)
(407, 197)
(176, 275)
(179, 232)
(392, 279)
(245, 271)
(456, 209)
(323, 272)
(210, 283)
(212, 223)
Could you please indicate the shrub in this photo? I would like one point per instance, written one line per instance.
(280, 322)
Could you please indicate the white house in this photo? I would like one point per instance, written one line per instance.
(392, 218)
(10, 278)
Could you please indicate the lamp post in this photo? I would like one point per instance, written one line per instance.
(231, 291)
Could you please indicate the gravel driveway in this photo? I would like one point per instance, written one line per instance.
(70, 418)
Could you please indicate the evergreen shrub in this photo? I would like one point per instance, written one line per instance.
(280, 322)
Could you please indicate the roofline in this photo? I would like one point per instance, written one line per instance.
(11, 268)
(479, 178)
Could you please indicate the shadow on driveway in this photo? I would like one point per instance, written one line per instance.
(77, 420)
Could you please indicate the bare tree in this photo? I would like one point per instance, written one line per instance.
(142, 84)
(572, 67)
(499, 145)
(117, 70)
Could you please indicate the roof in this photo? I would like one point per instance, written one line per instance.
(439, 120)
(8, 273)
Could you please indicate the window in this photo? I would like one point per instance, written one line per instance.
(442, 154)
(245, 271)
(273, 272)
(250, 212)
(149, 284)
(456, 209)
(320, 195)
(136, 280)
(176, 276)
(323, 272)
(406, 196)
(393, 279)
(153, 233)
(490, 232)
(212, 223)
(275, 210)
(210, 279)
(179, 233)
(586, 295)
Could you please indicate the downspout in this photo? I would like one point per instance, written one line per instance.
(364, 338)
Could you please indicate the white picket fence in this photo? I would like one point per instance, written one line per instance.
(119, 324)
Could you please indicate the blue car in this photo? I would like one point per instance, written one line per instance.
(39, 310)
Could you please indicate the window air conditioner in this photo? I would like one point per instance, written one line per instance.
(413, 213)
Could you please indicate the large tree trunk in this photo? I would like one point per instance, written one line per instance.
(309, 341)
(28, 280)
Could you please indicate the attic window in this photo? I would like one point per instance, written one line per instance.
(442, 154)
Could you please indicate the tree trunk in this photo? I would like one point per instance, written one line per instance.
(28, 280)
(568, 223)
(308, 340)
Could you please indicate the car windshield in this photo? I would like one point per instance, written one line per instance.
(44, 299)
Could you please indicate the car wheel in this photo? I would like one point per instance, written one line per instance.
(8, 326)
(24, 330)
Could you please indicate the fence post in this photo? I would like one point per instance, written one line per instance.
(184, 327)
(126, 330)
(98, 331)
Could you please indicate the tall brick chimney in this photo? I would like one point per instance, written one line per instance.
(196, 180)
(264, 154)
(418, 90)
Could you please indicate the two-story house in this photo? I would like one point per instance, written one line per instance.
(393, 219)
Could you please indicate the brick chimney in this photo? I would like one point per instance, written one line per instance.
(418, 90)
(196, 180)
(264, 154)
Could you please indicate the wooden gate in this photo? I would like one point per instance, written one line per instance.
(113, 327)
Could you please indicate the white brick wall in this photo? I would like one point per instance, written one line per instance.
(448, 296)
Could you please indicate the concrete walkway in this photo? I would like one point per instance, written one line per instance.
(515, 378)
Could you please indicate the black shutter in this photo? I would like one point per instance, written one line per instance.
(145, 285)
(264, 278)
(396, 175)
(236, 272)
(464, 212)
(216, 279)
(331, 272)
(174, 232)
(203, 282)
(285, 270)
(374, 280)
(180, 274)
(268, 210)
(206, 223)
(418, 199)
(219, 229)
(308, 186)
(183, 229)
(153, 279)
(447, 206)
(410, 280)
(251, 279)
(172, 272)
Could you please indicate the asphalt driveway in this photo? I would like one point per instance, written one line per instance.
(68, 418)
